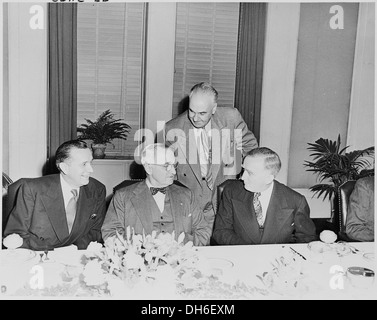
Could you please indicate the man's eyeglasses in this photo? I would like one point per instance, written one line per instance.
(167, 166)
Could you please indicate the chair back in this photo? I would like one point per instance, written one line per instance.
(125, 183)
(220, 189)
(9, 200)
(344, 193)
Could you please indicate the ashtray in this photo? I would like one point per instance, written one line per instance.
(360, 277)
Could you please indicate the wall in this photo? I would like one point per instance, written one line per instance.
(282, 29)
(361, 127)
(322, 85)
(4, 88)
(160, 64)
(27, 92)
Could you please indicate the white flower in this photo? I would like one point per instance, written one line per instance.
(327, 236)
(94, 249)
(133, 260)
(93, 273)
(13, 241)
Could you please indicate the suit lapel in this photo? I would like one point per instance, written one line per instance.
(53, 202)
(243, 208)
(192, 158)
(85, 206)
(142, 203)
(216, 147)
(277, 213)
(176, 209)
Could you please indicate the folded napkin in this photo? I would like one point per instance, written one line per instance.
(69, 255)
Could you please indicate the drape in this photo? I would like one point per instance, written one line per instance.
(62, 83)
(250, 54)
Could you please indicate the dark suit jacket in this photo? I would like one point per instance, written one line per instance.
(132, 206)
(360, 218)
(226, 163)
(39, 214)
(287, 218)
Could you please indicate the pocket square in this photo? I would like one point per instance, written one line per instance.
(93, 216)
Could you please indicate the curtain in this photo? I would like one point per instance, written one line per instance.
(251, 38)
(62, 90)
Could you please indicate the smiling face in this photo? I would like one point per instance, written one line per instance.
(256, 177)
(161, 170)
(201, 108)
(77, 167)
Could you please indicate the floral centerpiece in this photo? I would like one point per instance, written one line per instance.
(128, 266)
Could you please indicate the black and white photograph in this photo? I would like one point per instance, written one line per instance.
(187, 156)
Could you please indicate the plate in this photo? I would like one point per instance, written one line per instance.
(369, 256)
(19, 255)
(220, 263)
(66, 258)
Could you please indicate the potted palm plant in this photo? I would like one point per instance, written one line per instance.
(335, 166)
(103, 131)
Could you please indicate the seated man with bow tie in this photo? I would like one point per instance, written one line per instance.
(58, 210)
(156, 204)
(260, 210)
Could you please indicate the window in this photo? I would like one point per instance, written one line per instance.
(206, 49)
(110, 51)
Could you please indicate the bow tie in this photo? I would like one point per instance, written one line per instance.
(155, 190)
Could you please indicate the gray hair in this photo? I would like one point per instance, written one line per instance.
(206, 88)
(150, 152)
(272, 161)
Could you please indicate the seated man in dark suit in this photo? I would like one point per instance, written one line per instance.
(60, 209)
(360, 218)
(156, 204)
(259, 209)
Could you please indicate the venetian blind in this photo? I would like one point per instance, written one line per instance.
(110, 65)
(206, 49)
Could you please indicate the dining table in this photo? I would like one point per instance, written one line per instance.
(316, 270)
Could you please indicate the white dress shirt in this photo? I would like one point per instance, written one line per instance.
(203, 158)
(159, 197)
(264, 199)
(66, 188)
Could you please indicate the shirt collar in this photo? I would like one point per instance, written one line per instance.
(66, 188)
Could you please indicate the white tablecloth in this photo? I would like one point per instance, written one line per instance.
(324, 273)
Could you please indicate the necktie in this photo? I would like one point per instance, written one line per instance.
(71, 209)
(258, 209)
(155, 190)
(205, 167)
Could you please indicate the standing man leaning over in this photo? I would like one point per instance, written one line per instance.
(60, 209)
(260, 210)
(205, 139)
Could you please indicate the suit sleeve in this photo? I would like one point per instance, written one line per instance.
(201, 229)
(224, 233)
(247, 141)
(359, 225)
(304, 226)
(20, 218)
(94, 233)
(114, 217)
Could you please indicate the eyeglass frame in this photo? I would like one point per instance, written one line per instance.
(167, 166)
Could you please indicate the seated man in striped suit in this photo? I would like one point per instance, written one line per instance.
(156, 204)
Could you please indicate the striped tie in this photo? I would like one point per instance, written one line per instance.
(71, 209)
(258, 209)
(206, 168)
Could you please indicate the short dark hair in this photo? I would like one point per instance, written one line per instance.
(271, 159)
(204, 87)
(63, 151)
